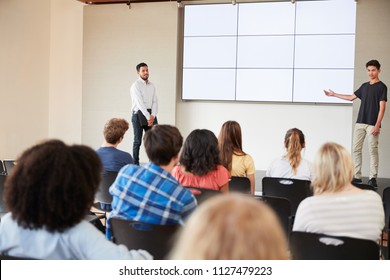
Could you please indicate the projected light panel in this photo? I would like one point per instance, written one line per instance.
(266, 18)
(276, 51)
(209, 84)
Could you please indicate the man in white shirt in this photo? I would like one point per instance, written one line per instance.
(144, 108)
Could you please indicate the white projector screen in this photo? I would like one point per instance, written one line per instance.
(269, 51)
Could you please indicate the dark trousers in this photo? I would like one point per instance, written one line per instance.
(138, 132)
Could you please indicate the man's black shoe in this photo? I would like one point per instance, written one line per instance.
(356, 180)
(372, 182)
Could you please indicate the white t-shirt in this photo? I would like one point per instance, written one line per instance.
(82, 242)
(281, 168)
(357, 215)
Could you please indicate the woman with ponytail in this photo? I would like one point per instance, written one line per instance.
(292, 164)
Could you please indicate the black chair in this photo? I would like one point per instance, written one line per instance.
(9, 165)
(282, 208)
(202, 194)
(315, 246)
(240, 184)
(294, 190)
(3, 209)
(103, 195)
(2, 168)
(156, 239)
(7, 257)
(386, 205)
(364, 186)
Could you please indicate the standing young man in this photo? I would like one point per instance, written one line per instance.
(144, 104)
(373, 96)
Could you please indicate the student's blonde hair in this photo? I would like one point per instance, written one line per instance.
(333, 169)
(232, 227)
(294, 141)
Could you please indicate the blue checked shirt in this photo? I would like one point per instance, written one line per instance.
(149, 194)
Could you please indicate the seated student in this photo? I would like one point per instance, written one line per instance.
(200, 165)
(232, 227)
(112, 158)
(149, 193)
(48, 193)
(337, 207)
(238, 162)
(292, 165)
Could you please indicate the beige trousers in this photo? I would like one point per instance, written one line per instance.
(360, 133)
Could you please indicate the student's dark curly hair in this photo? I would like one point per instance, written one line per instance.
(200, 153)
(52, 185)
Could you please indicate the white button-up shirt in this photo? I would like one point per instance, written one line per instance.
(143, 97)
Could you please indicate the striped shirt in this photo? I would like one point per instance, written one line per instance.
(357, 215)
(149, 194)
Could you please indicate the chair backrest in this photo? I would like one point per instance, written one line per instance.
(9, 165)
(364, 186)
(240, 184)
(3, 209)
(156, 239)
(386, 205)
(7, 257)
(315, 246)
(202, 194)
(294, 190)
(282, 208)
(102, 194)
(2, 168)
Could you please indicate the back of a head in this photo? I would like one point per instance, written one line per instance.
(333, 168)
(162, 143)
(200, 153)
(115, 129)
(294, 141)
(232, 227)
(53, 185)
(230, 142)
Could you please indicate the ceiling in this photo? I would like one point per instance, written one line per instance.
(97, 2)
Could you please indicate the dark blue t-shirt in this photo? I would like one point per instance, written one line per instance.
(113, 159)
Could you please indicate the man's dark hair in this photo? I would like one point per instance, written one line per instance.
(374, 63)
(162, 143)
(142, 64)
(200, 153)
(52, 185)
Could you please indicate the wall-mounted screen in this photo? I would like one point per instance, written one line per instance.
(269, 51)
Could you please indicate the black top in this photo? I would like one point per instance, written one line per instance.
(370, 96)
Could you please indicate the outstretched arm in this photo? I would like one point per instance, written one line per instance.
(377, 127)
(349, 97)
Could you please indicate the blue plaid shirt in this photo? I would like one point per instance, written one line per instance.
(149, 194)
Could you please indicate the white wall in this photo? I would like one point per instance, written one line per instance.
(24, 74)
(116, 39)
(373, 42)
(65, 101)
(40, 72)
